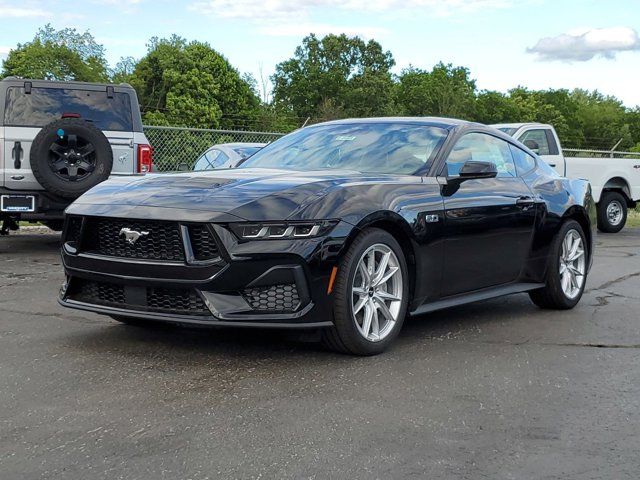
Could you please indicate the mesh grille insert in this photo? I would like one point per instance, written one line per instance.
(273, 298)
(202, 242)
(178, 301)
(72, 233)
(157, 241)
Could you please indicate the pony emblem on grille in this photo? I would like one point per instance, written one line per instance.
(132, 236)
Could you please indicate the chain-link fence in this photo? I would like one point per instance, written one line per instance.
(177, 148)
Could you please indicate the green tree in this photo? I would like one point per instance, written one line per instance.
(58, 55)
(603, 120)
(495, 107)
(446, 91)
(335, 76)
(191, 84)
(123, 70)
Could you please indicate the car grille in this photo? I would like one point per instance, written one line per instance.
(178, 301)
(202, 242)
(101, 293)
(72, 232)
(273, 298)
(161, 242)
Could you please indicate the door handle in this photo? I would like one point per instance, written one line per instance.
(525, 202)
(16, 153)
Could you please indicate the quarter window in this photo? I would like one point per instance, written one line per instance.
(524, 162)
(481, 147)
(536, 141)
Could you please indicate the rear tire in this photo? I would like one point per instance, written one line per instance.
(553, 295)
(380, 305)
(612, 212)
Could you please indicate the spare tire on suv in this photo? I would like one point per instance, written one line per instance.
(69, 156)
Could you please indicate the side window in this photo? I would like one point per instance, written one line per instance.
(208, 161)
(536, 141)
(221, 159)
(481, 147)
(524, 162)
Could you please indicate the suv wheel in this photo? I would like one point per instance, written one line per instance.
(371, 295)
(70, 156)
(612, 212)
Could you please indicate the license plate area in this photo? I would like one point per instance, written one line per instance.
(17, 203)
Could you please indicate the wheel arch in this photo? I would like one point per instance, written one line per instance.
(399, 229)
(580, 215)
(620, 185)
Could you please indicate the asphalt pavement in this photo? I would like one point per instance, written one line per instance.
(499, 389)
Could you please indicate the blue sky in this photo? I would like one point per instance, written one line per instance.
(590, 44)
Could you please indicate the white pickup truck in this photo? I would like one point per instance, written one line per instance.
(615, 178)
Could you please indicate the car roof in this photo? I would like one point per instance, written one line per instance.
(431, 121)
(72, 83)
(239, 144)
(518, 125)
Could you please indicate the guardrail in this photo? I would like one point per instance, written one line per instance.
(180, 147)
(579, 152)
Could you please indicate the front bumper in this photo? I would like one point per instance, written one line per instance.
(263, 283)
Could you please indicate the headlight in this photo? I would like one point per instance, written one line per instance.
(282, 230)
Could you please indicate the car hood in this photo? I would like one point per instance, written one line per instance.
(248, 194)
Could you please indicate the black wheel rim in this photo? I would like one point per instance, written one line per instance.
(72, 158)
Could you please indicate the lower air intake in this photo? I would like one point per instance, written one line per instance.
(273, 298)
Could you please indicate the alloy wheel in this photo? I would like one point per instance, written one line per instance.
(572, 264)
(377, 292)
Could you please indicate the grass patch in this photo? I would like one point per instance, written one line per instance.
(633, 218)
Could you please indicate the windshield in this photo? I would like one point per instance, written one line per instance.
(508, 130)
(245, 152)
(364, 147)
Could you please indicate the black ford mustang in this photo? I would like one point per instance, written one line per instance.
(345, 226)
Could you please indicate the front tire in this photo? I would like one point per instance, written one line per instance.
(566, 270)
(371, 292)
(612, 212)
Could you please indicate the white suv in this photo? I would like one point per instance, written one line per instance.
(59, 139)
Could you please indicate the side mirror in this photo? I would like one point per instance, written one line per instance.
(183, 167)
(473, 169)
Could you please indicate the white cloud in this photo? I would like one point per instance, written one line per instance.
(22, 10)
(284, 17)
(585, 44)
